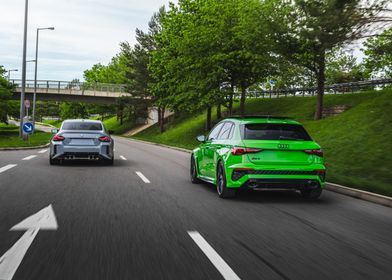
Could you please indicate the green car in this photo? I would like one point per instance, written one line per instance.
(259, 153)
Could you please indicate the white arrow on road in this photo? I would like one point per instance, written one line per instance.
(42, 220)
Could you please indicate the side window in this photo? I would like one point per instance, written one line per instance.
(215, 132)
(225, 132)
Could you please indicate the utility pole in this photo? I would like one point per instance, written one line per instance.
(22, 94)
(36, 68)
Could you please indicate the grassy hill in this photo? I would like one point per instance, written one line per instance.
(357, 143)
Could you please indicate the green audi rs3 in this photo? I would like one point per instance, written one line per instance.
(259, 153)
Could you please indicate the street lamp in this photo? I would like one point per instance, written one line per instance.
(36, 67)
(22, 93)
(9, 73)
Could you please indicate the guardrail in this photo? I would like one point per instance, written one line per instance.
(329, 89)
(63, 85)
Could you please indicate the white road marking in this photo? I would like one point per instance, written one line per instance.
(43, 151)
(123, 158)
(7, 167)
(42, 220)
(213, 256)
(145, 180)
(29, 157)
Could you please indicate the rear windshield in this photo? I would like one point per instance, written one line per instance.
(274, 131)
(81, 126)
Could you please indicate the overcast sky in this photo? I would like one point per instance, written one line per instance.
(87, 32)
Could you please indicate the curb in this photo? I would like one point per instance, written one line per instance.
(364, 195)
(24, 148)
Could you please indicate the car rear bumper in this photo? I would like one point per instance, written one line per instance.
(273, 177)
(102, 151)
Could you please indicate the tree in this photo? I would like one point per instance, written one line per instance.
(73, 110)
(206, 50)
(305, 31)
(342, 67)
(378, 51)
(6, 89)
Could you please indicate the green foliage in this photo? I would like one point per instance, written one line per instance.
(305, 31)
(112, 123)
(73, 110)
(361, 134)
(9, 137)
(379, 54)
(343, 68)
(6, 106)
(205, 46)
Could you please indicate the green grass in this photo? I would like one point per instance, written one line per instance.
(55, 123)
(357, 143)
(112, 123)
(9, 137)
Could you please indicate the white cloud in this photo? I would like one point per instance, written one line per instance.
(87, 32)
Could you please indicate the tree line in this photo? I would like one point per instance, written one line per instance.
(199, 55)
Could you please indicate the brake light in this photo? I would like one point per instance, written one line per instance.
(104, 139)
(321, 173)
(236, 151)
(58, 138)
(315, 152)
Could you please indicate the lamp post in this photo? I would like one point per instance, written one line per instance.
(22, 93)
(36, 67)
(9, 73)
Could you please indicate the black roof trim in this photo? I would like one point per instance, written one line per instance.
(261, 117)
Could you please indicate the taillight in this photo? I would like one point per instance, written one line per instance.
(58, 138)
(315, 152)
(236, 151)
(104, 139)
(321, 173)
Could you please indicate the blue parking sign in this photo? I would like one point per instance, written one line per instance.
(28, 128)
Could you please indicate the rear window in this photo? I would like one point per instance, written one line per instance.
(273, 131)
(81, 126)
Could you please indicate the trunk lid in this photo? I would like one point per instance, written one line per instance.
(78, 138)
(280, 152)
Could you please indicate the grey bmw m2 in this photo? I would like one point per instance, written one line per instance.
(81, 140)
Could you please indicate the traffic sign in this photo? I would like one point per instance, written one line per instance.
(272, 82)
(28, 128)
(27, 103)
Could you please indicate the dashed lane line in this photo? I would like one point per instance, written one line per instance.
(29, 157)
(7, 167)
(43, 151)
(123, 158)
(144, 178)
(213, 256)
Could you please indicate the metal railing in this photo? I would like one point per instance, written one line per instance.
(329, 89)
(64, 85)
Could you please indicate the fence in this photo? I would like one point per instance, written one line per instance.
(329, 89)
(61, 85)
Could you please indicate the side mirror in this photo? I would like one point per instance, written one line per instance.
(55, 131)
(110, 131)
(201, 138)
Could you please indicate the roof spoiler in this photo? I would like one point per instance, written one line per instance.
(261, 117)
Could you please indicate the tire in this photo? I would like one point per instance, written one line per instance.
(53, 161)
(221, 185)
(193, 172)
(311, 194)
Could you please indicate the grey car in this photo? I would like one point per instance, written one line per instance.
(81, 140)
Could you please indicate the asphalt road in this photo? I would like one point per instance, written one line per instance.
(113, 224)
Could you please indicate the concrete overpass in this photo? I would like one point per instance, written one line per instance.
(72, 91)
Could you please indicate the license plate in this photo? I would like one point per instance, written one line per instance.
(82, 142)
